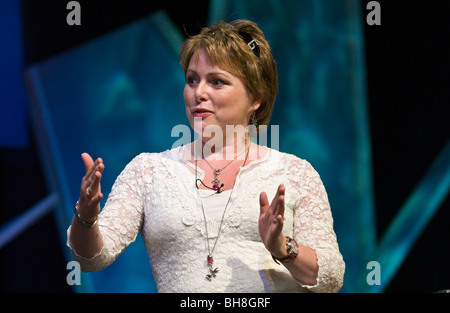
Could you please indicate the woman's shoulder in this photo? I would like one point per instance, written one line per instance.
(297, 169)
(157, 157)
(287, 160)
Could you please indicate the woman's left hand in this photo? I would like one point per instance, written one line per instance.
(270, 223)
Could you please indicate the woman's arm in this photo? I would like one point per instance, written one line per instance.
(304, 267)
(319, 265)
(120, 220)
(88, 242)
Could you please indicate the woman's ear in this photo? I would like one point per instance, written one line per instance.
(255, 106)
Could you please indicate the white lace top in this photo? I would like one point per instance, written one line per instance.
(155, 195)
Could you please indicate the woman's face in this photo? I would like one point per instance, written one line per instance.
(214, 96)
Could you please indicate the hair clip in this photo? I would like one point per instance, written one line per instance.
(249, 41)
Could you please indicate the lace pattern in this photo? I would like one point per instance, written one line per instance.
(155, 195)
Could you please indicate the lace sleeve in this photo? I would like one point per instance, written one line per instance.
(313, 227)
(121, 218)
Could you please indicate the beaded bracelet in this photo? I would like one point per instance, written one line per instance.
(83, 223)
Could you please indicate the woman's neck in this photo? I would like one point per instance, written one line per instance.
(222, 148)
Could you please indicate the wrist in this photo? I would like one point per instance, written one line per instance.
(84, 221)
(291, 251)
(281, 251)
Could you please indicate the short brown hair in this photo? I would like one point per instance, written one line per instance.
(226, 48)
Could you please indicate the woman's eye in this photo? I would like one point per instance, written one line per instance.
(190, 80)
(218, 82)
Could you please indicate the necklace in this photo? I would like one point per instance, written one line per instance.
(216, 182)
(209, 259)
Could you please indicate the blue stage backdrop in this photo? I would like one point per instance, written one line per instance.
(121, 94)
(13, 123)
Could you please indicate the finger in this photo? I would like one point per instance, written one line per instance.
(90, 170)
(94, 202)
(93, 182)
(278, 205)
(281, 195)
(90, 208)
(90, 184)
(95, 185)
(98, 166)
(280, 192)
(276, 195)
(279, 214)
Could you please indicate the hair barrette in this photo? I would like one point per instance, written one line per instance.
(249, 41)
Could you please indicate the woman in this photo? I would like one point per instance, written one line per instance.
(203, 209)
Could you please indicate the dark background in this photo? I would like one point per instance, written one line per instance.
(407, 59)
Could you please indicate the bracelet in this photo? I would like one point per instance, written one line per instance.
(292, 250)
(83, 223)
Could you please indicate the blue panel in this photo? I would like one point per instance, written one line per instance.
(114, 98)
(321, 106)
(13, 127)
(322, 112)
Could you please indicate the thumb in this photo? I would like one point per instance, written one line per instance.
(87, 160)
(263, 202)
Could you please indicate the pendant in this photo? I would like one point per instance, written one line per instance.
(216, 181)
(211, 270)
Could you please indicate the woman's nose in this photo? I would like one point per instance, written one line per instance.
(201, 93)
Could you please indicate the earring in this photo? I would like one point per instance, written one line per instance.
(254, 121)
(253, 130)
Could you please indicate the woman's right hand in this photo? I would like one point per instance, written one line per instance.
(90, 192)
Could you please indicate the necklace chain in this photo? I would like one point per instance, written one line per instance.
(217, 171)
(210, 260)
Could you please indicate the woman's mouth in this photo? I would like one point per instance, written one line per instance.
(199, 112)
